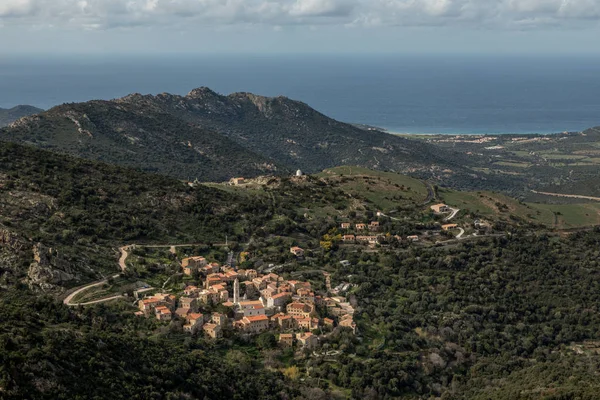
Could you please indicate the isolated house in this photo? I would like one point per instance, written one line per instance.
(440, 208)
(297, 251)
(449, 227)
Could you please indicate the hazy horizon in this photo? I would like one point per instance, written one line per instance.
(402, 93)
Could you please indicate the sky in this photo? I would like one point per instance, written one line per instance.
(298, 26)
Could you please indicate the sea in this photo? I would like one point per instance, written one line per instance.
(414, 94)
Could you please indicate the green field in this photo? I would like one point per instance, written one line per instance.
(498, 206)
(513, 164)
(385, 190)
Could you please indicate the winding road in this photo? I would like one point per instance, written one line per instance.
(68, 300)
(124, 250)
(455, 211)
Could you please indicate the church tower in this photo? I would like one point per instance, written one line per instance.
(236, 291)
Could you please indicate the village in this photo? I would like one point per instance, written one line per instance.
(237, 302)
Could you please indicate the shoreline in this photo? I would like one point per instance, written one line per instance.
(397, 133)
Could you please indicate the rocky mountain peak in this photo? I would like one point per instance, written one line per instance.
(202, 93)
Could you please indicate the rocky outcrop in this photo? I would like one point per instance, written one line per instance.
(48, 269)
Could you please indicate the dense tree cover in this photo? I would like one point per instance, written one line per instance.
(486, 319)
(84, 209)
(466, 321)
(50, 352)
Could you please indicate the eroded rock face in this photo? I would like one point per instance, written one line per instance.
(48, 269)
(9, 240)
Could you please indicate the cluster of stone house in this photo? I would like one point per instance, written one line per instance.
(166, 307)
(373, 226)
(371, 240)
(304, 339)
(270, 302)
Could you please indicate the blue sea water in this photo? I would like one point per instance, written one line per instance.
(408, 93)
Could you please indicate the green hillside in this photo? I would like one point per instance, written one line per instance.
(497, 206)
(8, 116)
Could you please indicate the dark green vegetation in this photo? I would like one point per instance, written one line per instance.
(212, 137)
(73, 214)
(141, 136)
(50, 352)
(500, 319)
(514, 316)
(10, 115)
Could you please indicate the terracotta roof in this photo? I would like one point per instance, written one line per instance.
(250, 303)
(257, 318)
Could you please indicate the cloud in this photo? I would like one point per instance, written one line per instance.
(15, 8)
(106, 14)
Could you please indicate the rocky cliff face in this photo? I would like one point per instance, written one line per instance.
(48, 269)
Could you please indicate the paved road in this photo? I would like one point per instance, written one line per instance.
(70, 297)
(387, 216)
(122, 264)
(572, 196)
(460, 235)
(455, 211)
(430, 193)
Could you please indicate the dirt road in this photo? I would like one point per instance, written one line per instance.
(572, 196)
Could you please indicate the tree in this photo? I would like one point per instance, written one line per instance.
(266, 341)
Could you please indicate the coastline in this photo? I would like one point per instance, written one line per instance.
(427, 134)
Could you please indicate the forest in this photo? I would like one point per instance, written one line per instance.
(513, 316)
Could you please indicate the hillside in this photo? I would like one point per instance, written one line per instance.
(293, 133)
(138, 136)
(62, 218)
(492, 315)
(212, 137)
(8, 116)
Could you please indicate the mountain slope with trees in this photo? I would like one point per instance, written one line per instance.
(10, 115)
(138, 136)
(211, 137)
(63, 218)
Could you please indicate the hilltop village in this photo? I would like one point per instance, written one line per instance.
(233, 301)
(224, 301)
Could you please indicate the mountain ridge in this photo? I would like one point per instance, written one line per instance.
(9, 115)
(240, 134)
